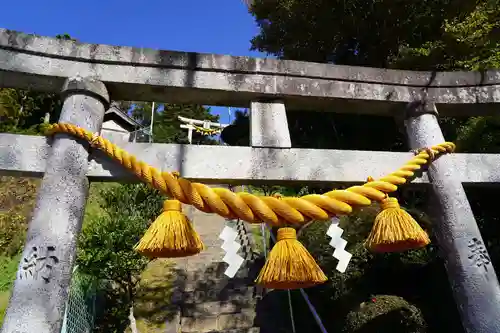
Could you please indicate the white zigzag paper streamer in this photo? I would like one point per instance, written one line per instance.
(335, 232)
(228, 235)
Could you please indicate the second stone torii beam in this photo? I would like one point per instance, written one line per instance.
(27, 155)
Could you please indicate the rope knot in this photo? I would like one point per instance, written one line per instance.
(286, 233)
(390, 203)
(176, 174)
(94, 140)
(428, 150)
(48, 129)
(172, 205)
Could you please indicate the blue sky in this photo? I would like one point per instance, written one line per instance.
(220, 26)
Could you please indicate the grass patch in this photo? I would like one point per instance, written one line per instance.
(4, 302)
(258, 238)
(8, 268)
(18, 193)
(17, 199)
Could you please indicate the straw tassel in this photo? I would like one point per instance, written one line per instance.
(395, 230)
(171, 235)
(289, 265)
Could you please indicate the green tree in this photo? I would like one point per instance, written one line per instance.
(469, 41)
(105, 250)
(380, 33)
(24, 111)
(479, 135)
(327, 131)
(66, 37)
(238, 133)
(9, 106)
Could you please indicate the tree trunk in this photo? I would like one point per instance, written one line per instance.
(131, 318)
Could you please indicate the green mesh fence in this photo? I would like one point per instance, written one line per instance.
(80, 309)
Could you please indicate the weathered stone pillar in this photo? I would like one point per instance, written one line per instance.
(269, 125)
(40, 291)
(470, 272)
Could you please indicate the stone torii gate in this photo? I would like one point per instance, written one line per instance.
(86, 75)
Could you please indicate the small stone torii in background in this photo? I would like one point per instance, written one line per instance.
(190, 125)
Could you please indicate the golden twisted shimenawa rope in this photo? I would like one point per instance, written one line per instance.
(258, 209)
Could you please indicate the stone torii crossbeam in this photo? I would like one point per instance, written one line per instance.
(86, 75)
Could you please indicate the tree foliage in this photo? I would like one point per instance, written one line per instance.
(402, 316)
(470, 41)
(24, 111)
(381, 33)
(406, 275)
(105, 249)
(327, 131)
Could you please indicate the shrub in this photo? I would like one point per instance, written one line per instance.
(385, 312)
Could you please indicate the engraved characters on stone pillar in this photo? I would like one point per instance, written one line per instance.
(39, 263)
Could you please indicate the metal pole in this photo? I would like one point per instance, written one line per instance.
(291, 310)
(264, 239)
(470, 272)
(313, 311)
(151, 125)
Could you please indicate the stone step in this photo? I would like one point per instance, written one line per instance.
(235, 294)
(215, 272)
(222, 322)
(238, 330)
(215, 283)
(216, 308)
